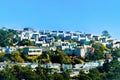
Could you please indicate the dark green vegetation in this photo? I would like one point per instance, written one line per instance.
(25, 42)
(26, 73)
(7, 37)
(98, 52)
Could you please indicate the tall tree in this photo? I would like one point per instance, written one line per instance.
(25, 42)
(106, 34)
(98, 51)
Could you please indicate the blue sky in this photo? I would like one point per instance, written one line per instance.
(89, 16)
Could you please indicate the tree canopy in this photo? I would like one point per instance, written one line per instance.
(106, 34)
(25, 42)
(6, 37)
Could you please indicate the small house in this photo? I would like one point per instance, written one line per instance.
(32, 50)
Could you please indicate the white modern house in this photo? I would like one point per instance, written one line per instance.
(32, 51)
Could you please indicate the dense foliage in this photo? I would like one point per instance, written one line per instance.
(7, 37)
(25, 42)
(98, 52)
(26, 73)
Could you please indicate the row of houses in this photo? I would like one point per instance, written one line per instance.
(45, 41)
(59, 68)
(46, 36)
(70, 49)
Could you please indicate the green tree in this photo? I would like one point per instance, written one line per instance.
(112, 69)
(2, 56)
(24, 73)
(111, 66)
(7, 36)
(84, 77)
(116, 52)
(60, 58)
(42, 72)
(99, 49)
(94, 74)
(7, 74)
(66, 74)
(56, 38)
(76, 60)
(44, 58)
(106, 34)
(15, 56)
(25, 42)
(58, 76)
